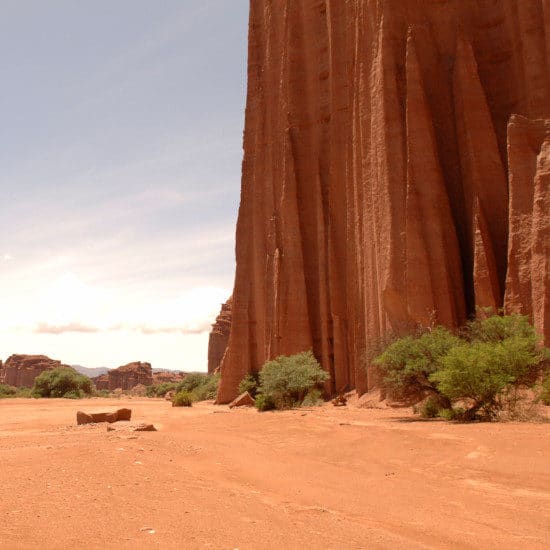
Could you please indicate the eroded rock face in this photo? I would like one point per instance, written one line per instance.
(167, 377)
(528, 281)
(21, 370)
(219, 337)
(129, 376)
(375, 176)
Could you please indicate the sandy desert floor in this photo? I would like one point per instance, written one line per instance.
(316, 478)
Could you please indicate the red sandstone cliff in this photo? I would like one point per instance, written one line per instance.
(126, 377)
(21, 370)
(381, 180)
(219, 337)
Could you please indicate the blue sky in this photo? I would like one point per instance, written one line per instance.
(121, 150)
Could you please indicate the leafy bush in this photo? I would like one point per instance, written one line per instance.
(160, 390)
(202, 386)
(483, 368)
(10, 391)
(249, 384)
(498, 328)
(545, 394)
(408, 362)
(429, 408)
(7, 391)
(209, 388)
(62, 382)
(313, 398)
(286, 381)
(264, 402)
(183, 399)
(481, 372)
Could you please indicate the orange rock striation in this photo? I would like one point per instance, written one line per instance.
(385, 182)
(219, 337)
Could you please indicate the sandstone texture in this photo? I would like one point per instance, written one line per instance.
(21, 370)
(110, 417)
(101, 382)
(386, 183)
(167, 377)
(243, 400)
(126, 377)
(219, 337)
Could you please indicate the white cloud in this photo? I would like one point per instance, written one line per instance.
(7, 257)
(70, 305)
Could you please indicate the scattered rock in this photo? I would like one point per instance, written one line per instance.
(340, 401)
(124, 414)
(84, 418)
(111, 417)
(145, 428)
(244, 400)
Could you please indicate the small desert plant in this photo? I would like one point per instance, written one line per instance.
(7, 391)
(545, 393)
(286, 381)
(249, 384)
(183, 399)
(202, 386)
(429, 408)
(313, 398)
(264, 403)
(160, 390)
(62, 382)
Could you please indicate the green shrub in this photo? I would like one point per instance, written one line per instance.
(264, 403)
(454, 413)
(286, 380)
(545, 394)
(429, 408)
(482, 369)
(62, 382)
(249, 384)
(208, 389)
(498, 328)
(7, 391)
(191, 381)
(408, 362)
(160, 390)
(183, 399)
(314, 398)
(202, 386)
(481, 372)
(102, 393)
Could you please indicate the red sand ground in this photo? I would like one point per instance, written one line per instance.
(214, 478)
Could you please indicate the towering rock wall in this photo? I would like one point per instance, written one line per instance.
(219, 336)
(375, 190)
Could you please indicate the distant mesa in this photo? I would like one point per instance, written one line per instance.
(126, 377)
(21, 370)
(396, 173)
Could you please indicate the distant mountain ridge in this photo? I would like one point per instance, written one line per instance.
(90, 372)
(98, 371)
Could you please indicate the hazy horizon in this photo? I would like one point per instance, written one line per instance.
(121, 155)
